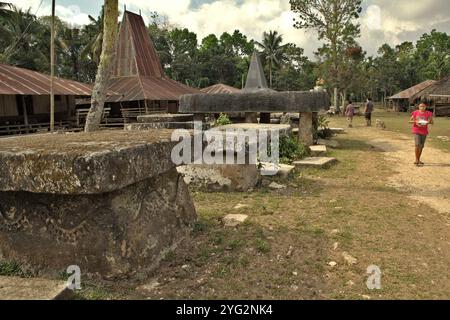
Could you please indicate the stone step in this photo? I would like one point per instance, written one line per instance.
(165, 117)
(270, 169)
(337, 130)
(329, 143)
(315, 162)
(319, 150)
(15, 288)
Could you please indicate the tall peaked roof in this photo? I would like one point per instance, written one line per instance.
(135, 52)
(256, 80)
(138, 73)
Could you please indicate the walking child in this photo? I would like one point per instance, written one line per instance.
(420, 119)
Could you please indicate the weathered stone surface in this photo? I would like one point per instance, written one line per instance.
(116, 234)
(14, 288)
(283, 129)
(83, 163)
(221, 177)
(318, 162)
(305, 133)
(110, 202)
(264, 101)
(165, 125)
(165, 117)
(233, 220)
(328, 143)
(319, 150)
(337, 130)
(282, 170)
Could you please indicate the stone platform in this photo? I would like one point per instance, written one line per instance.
(318, 150)
(110, 202)
(165, 117)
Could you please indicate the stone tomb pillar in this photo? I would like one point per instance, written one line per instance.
(305, 130)
(110, 202)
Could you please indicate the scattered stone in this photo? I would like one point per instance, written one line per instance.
(335, 245)
(337, 130)
(294, 287)
(289, 253)
(366, 297)
(240, 206)
(295, 273)
(338, 208)
(15, 288)
(315, 162)
(329, 143)
(444, 138)
(333, 201)
(152, 285)
(350, 283)
(233, 220)
(276, 186)
(334, 231)
(185, 266)
(332, 263)
(319, 150)
(349, 259)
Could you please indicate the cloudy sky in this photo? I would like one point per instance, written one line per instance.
(382, 21)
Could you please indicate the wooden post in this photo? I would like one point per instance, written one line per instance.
(305, 130)
(52, 69)
(24, 109)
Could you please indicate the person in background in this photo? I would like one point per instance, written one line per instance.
(368, 112)
(350, 112)
(420, 119)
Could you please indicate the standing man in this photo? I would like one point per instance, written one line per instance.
(368, 112)
(421, 119)
(350, 112)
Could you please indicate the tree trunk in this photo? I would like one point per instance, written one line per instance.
(335, 98)
(111, 14)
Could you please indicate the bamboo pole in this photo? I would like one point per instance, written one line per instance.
(52, 69)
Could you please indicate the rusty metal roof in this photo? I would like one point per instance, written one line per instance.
(148, 88)
(220, 88)
(410, 92)
(15, 80)
(138, 73)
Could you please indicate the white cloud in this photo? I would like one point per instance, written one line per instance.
(383, 21)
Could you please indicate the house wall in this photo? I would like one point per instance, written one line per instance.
(41, 104)
(8, 106)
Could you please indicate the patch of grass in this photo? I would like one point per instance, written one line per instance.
(14, 269)
(262, 246)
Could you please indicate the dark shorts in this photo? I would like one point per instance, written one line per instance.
(368, 115)
(420, 140)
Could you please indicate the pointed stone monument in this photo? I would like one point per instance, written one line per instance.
(256, 82)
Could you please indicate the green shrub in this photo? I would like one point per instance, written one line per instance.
(291, 150)
(322, 131)
(223, 120)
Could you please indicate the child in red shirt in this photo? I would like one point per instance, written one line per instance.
(421, 119)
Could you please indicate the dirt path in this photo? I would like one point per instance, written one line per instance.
(429, 184)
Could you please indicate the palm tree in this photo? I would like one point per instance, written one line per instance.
(21, 38)
(272, 50)
(94, 31)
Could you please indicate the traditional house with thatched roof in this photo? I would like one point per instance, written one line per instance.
(437, 97)
(25, 99)
(138, 74)
(403, 100)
